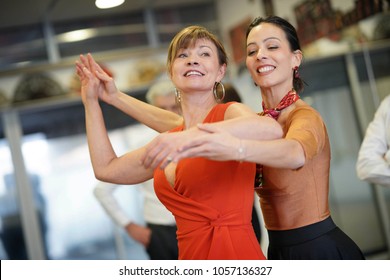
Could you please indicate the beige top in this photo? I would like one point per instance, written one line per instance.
(294, 198)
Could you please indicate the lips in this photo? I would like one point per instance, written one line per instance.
(265, 69)
(193, 73)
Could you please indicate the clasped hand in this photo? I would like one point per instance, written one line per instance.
(95, 82)
(206, 140)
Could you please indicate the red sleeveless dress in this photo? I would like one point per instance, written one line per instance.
(212, 204)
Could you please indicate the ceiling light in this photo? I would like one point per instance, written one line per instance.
(106, 4)
(76, 35)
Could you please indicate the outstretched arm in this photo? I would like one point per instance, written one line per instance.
(219, 144)
(107, 167)
(240, 123)
(158, 119)
(305, 138)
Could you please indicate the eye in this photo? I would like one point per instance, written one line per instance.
(273, 47)
(182, 55)
(251, 52)
(205, 54)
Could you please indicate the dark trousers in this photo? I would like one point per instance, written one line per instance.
(163, 243)
(319, 241)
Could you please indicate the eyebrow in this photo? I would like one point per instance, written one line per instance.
(265, 40)
(205, 46)
(200, 47)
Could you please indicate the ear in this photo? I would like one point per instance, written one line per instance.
(297, 58)
(221, 72)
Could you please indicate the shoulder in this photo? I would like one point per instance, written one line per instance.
(218, 112)
(386, 100)
(305, 112)
(237, 109)
(384, 106)
(306, 118)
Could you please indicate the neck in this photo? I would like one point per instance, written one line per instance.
(288, 99)
(194, 112)
(273, 96)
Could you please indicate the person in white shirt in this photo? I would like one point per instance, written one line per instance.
(373, 163)
(159, 234)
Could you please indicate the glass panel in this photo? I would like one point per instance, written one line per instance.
(170, 20)
(101, 34)
(351, 200)
(12, 245)
(75, 228)
(26, 45)
(380, 60)
(55, 150)
(21, 46)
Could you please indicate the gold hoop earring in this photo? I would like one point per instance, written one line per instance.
(219, 99)
(177, 96)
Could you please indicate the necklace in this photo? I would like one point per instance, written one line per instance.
(290, 98)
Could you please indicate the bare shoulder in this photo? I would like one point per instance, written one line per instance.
(236, 110)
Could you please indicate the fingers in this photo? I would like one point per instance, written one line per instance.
(158, 158)
(87, 62)
(97, 69)
(153, 154)
(158, 153)
(83, 60)
(91, 63)
(79, 70)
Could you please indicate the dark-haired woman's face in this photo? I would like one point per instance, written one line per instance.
(270, 60)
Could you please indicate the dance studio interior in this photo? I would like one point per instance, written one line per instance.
(48, 210)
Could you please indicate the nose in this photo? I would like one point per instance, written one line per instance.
(192, 61)
(261, 54)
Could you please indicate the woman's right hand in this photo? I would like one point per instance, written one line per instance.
(139, 233)
(107, 90)
(90, 84)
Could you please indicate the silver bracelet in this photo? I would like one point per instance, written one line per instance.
(241, 152)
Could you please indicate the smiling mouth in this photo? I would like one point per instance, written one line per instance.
(265, 69)
(193, 73)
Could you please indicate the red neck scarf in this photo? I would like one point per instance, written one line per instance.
(290, 98)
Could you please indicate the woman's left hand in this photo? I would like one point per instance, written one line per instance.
(163, 149)
(215, 144)
(205, 141)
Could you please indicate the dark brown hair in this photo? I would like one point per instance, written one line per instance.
(292, 38)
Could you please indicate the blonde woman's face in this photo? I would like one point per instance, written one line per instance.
(197, 68)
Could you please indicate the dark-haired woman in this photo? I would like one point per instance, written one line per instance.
(293, 184)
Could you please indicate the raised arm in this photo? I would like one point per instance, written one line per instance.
(107, 167)
(152, 116)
